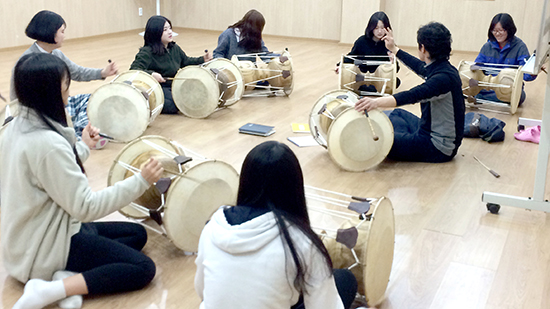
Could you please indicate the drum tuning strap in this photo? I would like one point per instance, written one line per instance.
(475, 67)
(286, 73)
(325, 112)
(473, 83)
(323, 109)
(127, 82)
(163, 185)
(359, 78)
(215, 71)
(145, 95)
(156, 216)
(182, 159)
(347, 237)
(359, 207)
(365, 217)
(283, 59)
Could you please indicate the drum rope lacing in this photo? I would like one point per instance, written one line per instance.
(342, 235)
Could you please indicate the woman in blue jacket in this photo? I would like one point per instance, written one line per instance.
(503, 47)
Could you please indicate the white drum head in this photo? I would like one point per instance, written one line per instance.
(378, 252)
(128, 155)
(516, 91)
(350, 140)
(224, 64)
(374, 248)
(315, 119)
(193, 198)
(156, 95)
(119, 110)
(195, 91)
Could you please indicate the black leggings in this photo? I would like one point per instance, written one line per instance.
(346, 284)
(108, 256)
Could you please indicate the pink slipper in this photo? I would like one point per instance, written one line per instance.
(531, 134)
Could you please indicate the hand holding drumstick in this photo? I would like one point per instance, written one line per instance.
(207, 56)
(90, 135)
(152, 171)
(110, 69)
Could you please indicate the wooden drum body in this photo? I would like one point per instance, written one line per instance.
(126, 106)
(361, 242)
(191, 190)
(507, 84)
(276, 70)
(347, 134)
(384, 79)
(198, 91)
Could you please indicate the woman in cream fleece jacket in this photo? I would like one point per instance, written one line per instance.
(46, 197)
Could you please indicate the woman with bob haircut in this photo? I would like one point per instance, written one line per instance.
(48, 29)
(503, 47)
(243, 37)
(161, 57)
(265, 244)
(46, 199)
(372, 44)
(436, 136)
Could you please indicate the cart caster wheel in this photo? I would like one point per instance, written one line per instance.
(521, 127)
(493, 208)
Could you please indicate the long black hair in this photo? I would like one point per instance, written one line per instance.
(507, 23)
(271, 178)
(153, 34)
(251, 27)
(373, 23)
(37, 78)
(44, 25)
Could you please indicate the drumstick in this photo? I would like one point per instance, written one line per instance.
(109, 61)
(497, 175)
(105, 136)
(374, 136)
(2, 97)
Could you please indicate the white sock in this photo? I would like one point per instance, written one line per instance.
(39, 293)
(71, 302)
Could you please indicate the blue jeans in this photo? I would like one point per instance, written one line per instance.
(108, 256)
(169, 106)
(490, 95)
(411, 144)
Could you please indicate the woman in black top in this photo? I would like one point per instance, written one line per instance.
(371, 44)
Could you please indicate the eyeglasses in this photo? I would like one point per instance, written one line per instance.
(495, 31)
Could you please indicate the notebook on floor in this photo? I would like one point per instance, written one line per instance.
(257, 129)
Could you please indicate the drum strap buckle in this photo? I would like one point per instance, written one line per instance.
(286, 74)
(163, 185)
(182, 159)
(347, 237)
(359, 207)
(155, 214)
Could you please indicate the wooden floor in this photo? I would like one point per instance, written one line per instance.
(449, 251)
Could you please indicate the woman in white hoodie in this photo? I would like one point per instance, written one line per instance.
(263, 253)
(46, 198)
